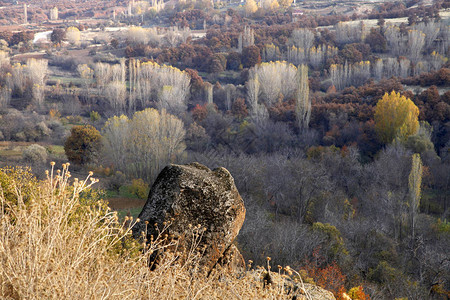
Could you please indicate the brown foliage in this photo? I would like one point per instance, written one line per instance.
(239, 108)
(250, 56)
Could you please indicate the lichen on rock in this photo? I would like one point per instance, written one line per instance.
(191, 195)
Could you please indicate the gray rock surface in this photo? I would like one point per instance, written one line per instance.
(190, 195)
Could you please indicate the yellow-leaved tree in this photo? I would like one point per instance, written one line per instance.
(395, 117)
(250, 7)
(143, 145)
(73, 35)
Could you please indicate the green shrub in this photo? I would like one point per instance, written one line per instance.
(139, 188)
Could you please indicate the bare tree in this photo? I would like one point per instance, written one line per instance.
(378, 69)
(302, 38)
(246, 39)
(360, 73)
(349, 74)
(277, 80)
(271, 53)
(405, 67)
(151, 139)
(420, 68)
(209, 93)
(340, 75)
(37, 70)
(431, 30)
(6, 83)
(296, 55)
(116, 138)
(38, 93)
(137, 35)
(102, 74)
(116, 94)
(414, 184)
(253, 91)
(391, 67)
(4, 59)
(303, 103)
(172, 38)
(416, 42)
(437, 61)
(171, 99)
(5, 96)
(230, 90)
(394, 40)
(346, 33)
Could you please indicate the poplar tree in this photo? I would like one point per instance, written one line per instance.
(303, 104)
(395, 117)
(414, 184)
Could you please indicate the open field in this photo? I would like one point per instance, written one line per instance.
(13, 150)
(126, 206)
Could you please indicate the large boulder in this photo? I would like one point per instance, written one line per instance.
(191, 195)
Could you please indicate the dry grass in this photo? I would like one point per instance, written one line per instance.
(58, 243)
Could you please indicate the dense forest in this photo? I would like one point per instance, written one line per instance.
(336, 128)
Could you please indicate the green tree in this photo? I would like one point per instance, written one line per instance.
(395, 117)
(83, 145)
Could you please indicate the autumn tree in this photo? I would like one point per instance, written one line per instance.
(137, 35)
(376, 41)
(239, 108)
(250, 7)
(233, 61)
(285, 3)
(270, 4)
(57, 35)
(83, 145)
(250, 56)
(395, 117)
(73, 35)
(414, 184)
(143, 145)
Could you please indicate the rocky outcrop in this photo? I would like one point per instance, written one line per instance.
(191, 195)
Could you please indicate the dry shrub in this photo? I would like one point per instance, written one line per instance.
(61, 242)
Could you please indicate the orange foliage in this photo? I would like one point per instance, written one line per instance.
(329, 277)
(199, 112)
(357, 293)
